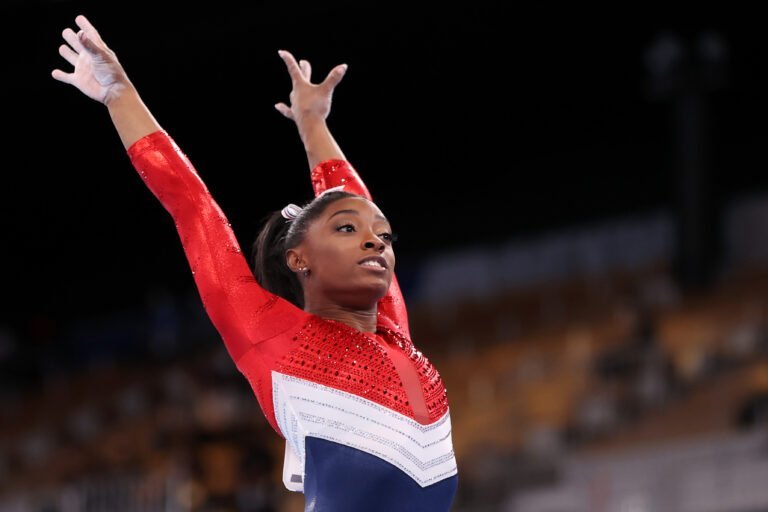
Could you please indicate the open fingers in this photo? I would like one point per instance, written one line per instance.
(71, 38)
(88, 28)
(293, 67)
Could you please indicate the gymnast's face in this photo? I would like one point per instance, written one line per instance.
(348, 250)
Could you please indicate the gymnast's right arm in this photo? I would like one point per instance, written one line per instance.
(234, 301)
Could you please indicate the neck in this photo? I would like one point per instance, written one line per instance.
(362, 320)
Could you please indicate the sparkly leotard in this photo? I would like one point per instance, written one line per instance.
(364, 415)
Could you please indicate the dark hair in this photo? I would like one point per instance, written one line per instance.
(276, 236)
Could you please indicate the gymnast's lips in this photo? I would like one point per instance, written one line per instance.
(379, 259)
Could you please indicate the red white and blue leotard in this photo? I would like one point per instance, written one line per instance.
(364, 415)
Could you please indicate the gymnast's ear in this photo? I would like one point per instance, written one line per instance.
(295, 259)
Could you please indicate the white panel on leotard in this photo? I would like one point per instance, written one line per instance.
(304, 408)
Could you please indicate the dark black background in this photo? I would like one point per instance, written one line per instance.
(472, 125)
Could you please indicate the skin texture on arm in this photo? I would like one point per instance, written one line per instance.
(310, 105)
(234, 301)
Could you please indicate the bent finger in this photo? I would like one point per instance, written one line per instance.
(71, 38)
(334, 77)
(285, 110)
(61, 76)
(68, 54)
(88, 28)
(293, 67)
(306, 69)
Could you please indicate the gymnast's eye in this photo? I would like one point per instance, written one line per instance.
(390, 237)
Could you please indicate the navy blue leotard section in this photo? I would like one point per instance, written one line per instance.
(344, 479)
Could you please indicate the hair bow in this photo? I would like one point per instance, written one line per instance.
(291, 211)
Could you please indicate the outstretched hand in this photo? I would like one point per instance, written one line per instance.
(308, 99)
(97, 73)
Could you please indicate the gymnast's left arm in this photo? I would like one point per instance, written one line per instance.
(310, 105)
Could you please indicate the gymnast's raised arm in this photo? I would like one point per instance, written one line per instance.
(310, 105)
(233, 299)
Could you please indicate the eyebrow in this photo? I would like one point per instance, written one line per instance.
(381, 217)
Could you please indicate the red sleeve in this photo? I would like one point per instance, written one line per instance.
(241, 310)
(332, 173)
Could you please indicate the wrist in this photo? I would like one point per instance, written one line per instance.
(120, 92)
(310, 123)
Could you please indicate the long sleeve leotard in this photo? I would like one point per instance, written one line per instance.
(364, 416)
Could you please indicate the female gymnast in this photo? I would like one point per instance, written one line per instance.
(318, 327)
